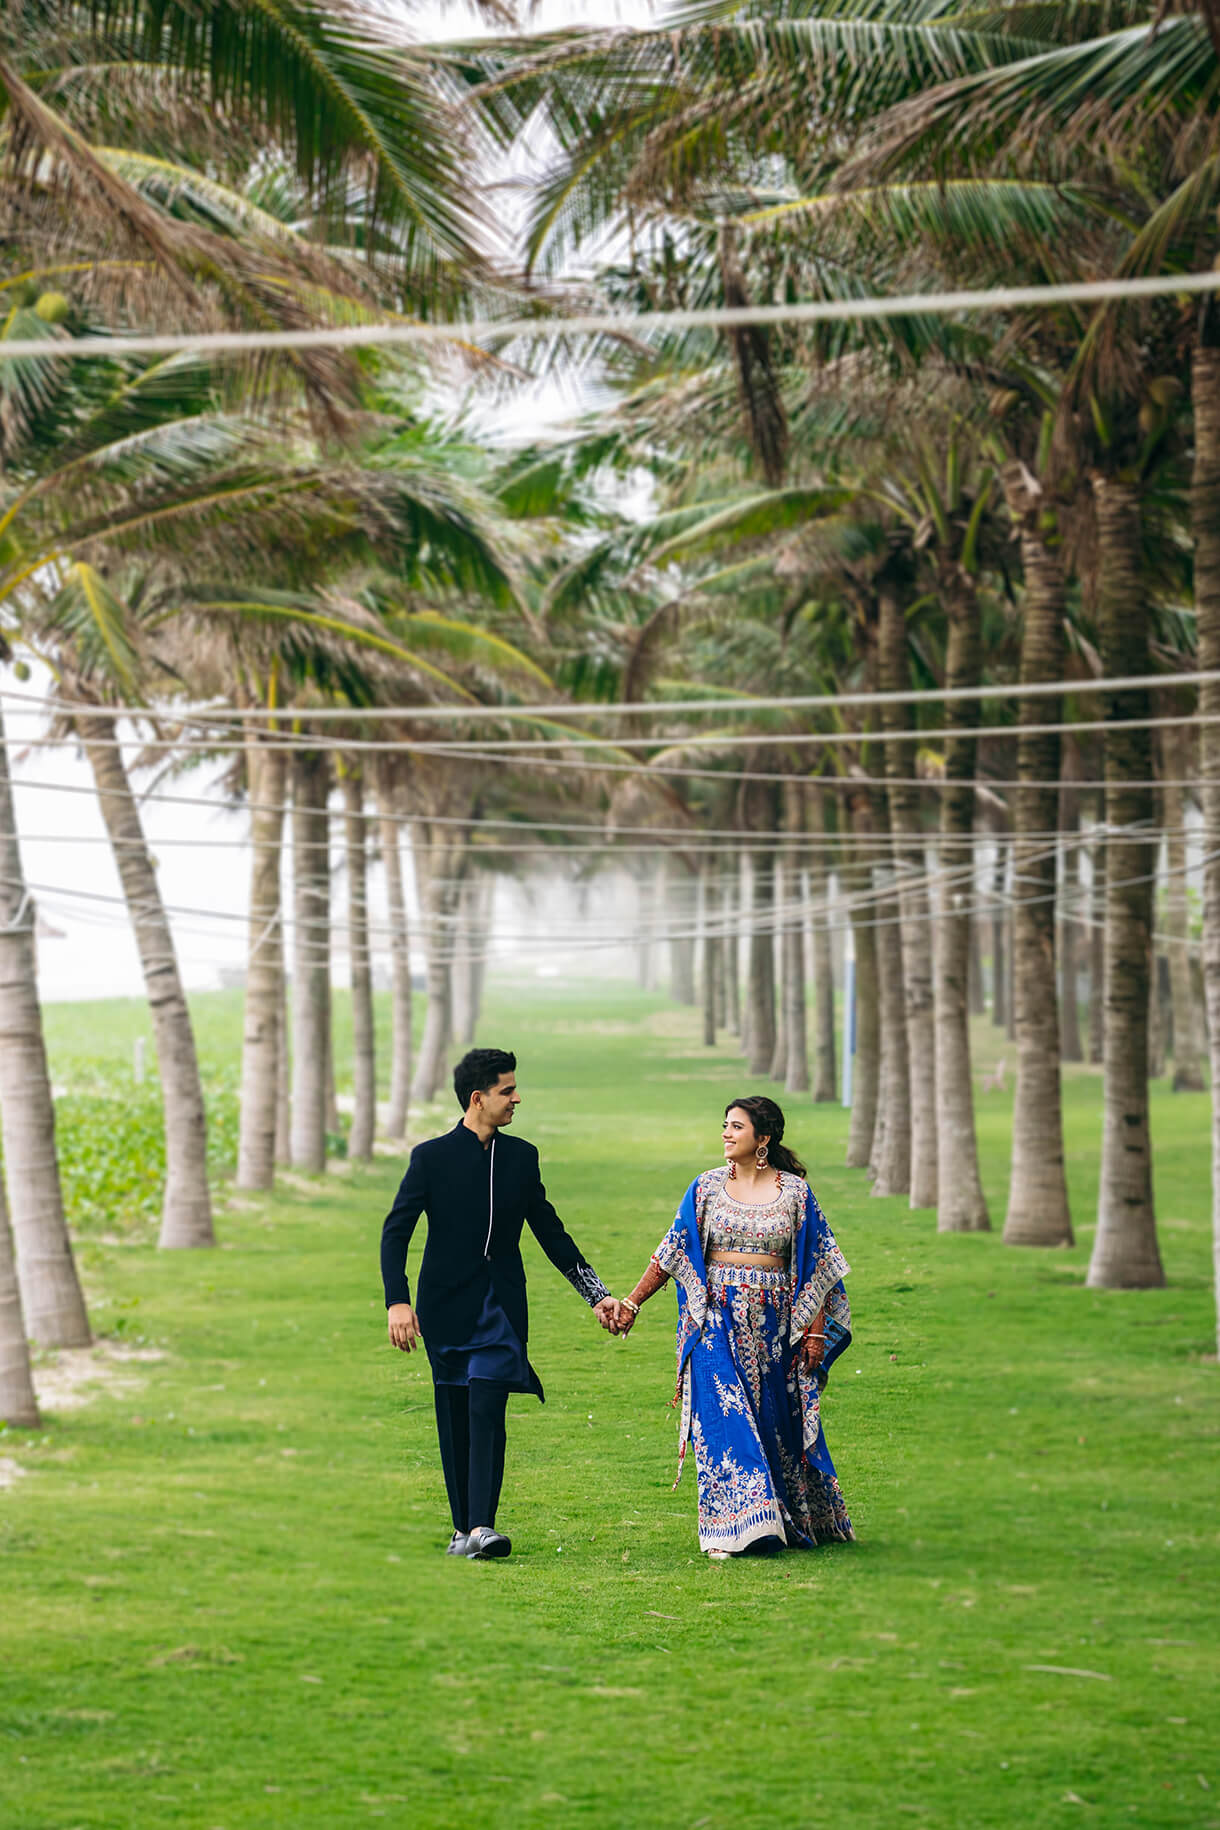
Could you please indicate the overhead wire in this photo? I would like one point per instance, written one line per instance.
(777, 916)
(619, 708)
(582, 940)
(521, 749)
(154, 797)
(612, 323)
(796, 844)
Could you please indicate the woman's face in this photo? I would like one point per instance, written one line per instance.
(740, 1138)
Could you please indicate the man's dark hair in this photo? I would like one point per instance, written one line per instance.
(478, 1071)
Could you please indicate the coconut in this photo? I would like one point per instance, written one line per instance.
(52, 308)
(1164, 389)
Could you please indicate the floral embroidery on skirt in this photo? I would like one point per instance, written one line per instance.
(756, 1478)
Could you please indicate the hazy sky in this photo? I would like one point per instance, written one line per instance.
(63, 841)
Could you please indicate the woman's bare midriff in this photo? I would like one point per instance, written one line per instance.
(761, 1261)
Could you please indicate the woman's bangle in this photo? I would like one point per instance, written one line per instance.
(811, 1336)
(628, 1304)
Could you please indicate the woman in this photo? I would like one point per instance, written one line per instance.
(762, 1314)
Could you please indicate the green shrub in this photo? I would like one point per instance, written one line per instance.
(112, 1151)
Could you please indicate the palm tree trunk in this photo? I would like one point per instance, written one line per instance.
(1038, 1211)
(1125, 1250)
(51, 1298)
(796, 1062)
(646, 919)
(1188, 1041)
(1097, 954)
(890, 1154)
(283, 1081)
(961, 1206)
(261, 1067)
(731, 947)
(914, 910)
(1205, 524)
(824, 1066)
(711, 983)
(332, 1089)
(780, 1051)
(760, 979)
(1069, 897)
(467, 964)
(477, 935)
(978, 1004)
(999, 957)
(186, 1211)
(310, 959)
(679, 919)
(1158, 1015)
(18, 1404)
(867, 1064)
(400, 960)
(364, 1064)
(439, 862)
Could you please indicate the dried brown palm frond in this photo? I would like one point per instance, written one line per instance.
(42, 150)
(757, 382)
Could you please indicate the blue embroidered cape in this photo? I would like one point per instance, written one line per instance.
(816, 1272)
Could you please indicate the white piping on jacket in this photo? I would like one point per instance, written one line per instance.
(491, 1194)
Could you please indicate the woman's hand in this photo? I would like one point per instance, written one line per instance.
(812, 1350)
(813, 1342)
(626, 1319)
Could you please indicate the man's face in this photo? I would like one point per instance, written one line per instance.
(499, 1103)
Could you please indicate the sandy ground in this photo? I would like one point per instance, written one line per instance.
(76, 1375)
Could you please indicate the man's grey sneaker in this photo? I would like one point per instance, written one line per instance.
(484, 1542)
(457, 1544)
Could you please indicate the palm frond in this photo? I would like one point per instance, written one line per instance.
(647, 118)
(86, 616)
(963, 215)
(1050, 105)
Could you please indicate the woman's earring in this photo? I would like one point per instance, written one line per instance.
(760, 1157)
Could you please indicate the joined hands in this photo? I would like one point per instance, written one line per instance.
(613, 1315)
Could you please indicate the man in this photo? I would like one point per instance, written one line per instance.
(478, 1188)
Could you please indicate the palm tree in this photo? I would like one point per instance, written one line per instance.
(1205, 523)
(915, 911)
(262, 1065)
(91, 581)
(792, 951)
(364, 1074)
(1125, 1252)
(51, 1297)
(309, 775)
(186, 1216)
(388, 788)
(1038, 1212)
(856, 878)
(347, 113)
(18, 1402)
(1188, 1038)
(824, 1075)
(1126, 101)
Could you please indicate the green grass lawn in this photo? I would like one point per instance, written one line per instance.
(224, 1602)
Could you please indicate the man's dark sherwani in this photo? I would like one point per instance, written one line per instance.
(473, 1248)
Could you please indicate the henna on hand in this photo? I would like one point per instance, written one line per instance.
(652, 1280)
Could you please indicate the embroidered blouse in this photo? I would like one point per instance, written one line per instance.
(751, 1226)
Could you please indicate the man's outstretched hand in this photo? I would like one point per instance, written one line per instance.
(609, 1313)
(404, 1327)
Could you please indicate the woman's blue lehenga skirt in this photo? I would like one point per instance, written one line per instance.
(757, 1478)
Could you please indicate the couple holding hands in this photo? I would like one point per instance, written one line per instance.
(762, 1315)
